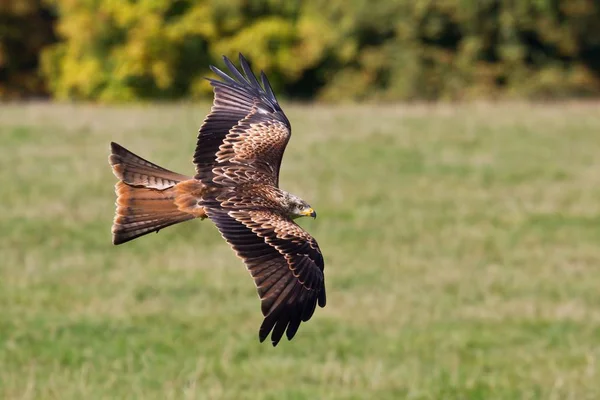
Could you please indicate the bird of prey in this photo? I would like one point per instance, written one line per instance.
(238, 154)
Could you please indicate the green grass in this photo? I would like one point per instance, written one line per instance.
(462, 249)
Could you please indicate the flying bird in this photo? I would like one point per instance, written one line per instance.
(238, 155)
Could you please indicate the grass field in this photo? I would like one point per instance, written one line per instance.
(462, 249)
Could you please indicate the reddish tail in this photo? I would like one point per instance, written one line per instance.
(149, 197)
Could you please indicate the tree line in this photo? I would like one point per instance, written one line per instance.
(329, 50)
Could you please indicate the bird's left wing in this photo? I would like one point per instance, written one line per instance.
(243, 138)
(284, 261)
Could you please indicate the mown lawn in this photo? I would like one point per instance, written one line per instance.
(462, 249)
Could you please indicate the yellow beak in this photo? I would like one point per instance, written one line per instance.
(310, 213)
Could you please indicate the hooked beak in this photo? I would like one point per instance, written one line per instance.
(310, 213)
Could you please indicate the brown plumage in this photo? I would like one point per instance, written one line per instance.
(150, 197)
(238, 155)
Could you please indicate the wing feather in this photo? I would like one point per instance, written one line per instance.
(249, 74)
(246, 129)
(284, 261)
(267, 86)
(235, 72)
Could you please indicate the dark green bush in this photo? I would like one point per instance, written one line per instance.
(26, 27)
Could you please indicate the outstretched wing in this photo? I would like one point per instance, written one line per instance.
(244, 136)
(284, 261)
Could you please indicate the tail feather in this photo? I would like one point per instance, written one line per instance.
(149, 197)
(134, 170)
(141, 211)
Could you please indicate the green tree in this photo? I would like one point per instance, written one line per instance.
(333, 50)
(26, 27)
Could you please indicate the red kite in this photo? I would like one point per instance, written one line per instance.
(238, 155)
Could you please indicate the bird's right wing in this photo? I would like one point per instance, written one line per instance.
(284, 261)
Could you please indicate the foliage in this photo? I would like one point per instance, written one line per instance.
(26, 27)
(469, 48)
(122, 50)
(331, 49)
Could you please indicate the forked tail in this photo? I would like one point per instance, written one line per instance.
(149, 197)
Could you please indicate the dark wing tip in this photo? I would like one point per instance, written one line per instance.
(286, 320)
(244, 80)
(261, 336)
(226, 78)
(249, 74)
(235, 72)
(322, 297)
(274, 324)
(215, 70)
(293, 327)
(268, 89)
(266, 327)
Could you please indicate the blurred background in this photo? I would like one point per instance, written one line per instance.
(449, 147)
(334, 50)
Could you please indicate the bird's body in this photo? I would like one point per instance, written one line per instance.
(238, 155)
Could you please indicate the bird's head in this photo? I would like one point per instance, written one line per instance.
(297, 207)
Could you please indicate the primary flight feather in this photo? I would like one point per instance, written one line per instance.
(238, 154)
